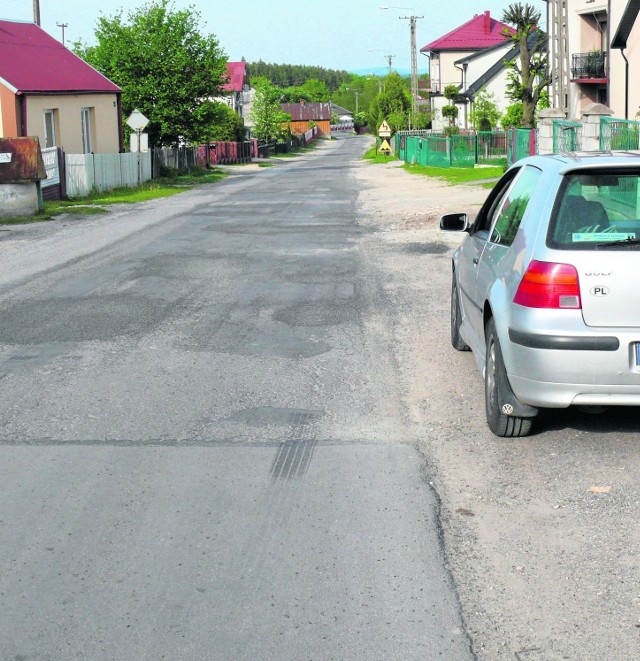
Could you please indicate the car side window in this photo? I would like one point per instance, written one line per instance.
(508, 213)
(486, 213)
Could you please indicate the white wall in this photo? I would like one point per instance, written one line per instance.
(86, 172)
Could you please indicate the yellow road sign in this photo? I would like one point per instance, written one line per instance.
(385, 147)
(385, 130)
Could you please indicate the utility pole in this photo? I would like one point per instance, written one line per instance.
(559, 55)
(414, 58)
(414, 65)
(389, 59)
(36, 12)
(63, 26)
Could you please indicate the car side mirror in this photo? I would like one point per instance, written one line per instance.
(454, 222)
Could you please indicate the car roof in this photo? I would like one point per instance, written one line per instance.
(561, 163)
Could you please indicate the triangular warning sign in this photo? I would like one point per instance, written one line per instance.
(384, 130)
(385, 147)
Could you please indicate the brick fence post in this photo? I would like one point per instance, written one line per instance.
(545, 129)
(591, 125)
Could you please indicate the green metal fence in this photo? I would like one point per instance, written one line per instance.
(458, 151)
(619, 134)
(491, 147)
(567, 136)
(520, 144)
(463, 151)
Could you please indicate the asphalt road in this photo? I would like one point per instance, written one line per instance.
(205, 451)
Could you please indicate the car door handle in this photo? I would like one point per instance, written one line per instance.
(476, 260)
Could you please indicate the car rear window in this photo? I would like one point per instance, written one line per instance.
(594, 209)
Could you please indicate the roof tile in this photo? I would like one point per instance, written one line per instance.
(481, 31)
(33, 61)
(237, 72)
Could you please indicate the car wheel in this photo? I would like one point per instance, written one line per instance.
(456, 341)
(495, 386)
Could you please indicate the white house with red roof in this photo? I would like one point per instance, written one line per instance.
(49, 92)
(237, 91)
(471, 57)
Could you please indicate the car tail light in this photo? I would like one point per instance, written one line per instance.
(549, 285)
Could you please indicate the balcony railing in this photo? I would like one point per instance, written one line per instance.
(588, 65)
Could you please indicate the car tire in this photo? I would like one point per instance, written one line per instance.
(495, 376)
(456, 340)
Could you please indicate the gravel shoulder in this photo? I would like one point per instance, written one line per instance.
(540, 532)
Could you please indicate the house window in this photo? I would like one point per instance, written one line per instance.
(87, 142)
(50, 128)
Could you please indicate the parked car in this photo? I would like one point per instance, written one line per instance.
(546, 287)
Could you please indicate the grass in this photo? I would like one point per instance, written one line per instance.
(378, 157)
(457, 175)
(94, 204)
(265, 165)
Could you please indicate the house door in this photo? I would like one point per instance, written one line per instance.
(85, 114)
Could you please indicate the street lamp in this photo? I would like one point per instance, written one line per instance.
(357, 93)
(370, 76)
(414, 54)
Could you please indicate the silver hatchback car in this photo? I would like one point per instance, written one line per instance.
(546, 287)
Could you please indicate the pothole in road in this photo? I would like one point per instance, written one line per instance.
(318, 314)
(432, 248)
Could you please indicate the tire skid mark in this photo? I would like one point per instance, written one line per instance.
(284, 495)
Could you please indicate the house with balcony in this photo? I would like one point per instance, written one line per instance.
(470, 56)
(49, 92)
(597, 58)
(589, 58)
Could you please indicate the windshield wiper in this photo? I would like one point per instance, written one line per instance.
(629, 241)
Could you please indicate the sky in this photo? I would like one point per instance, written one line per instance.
(337, 34)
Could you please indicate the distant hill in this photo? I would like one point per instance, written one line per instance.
(380, 71)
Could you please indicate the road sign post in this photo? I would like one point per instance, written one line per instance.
(137, 121)
(384, 132)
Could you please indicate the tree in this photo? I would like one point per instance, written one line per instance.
(359, 121)
(316, 90)
(269, 121)
(218, 121)
(484, 114)
(528, 79)
(392, 104)
(164, 64)
(512, 117)
(450, 111)
(288, 75)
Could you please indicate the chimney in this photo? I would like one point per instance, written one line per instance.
(487, 22)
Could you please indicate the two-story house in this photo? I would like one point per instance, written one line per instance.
(463, 57)
(237, 90)
(595, 55)
(49, 92)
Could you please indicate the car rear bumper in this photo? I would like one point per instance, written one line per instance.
(564, 342)
(545, 394)
(561, 369)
